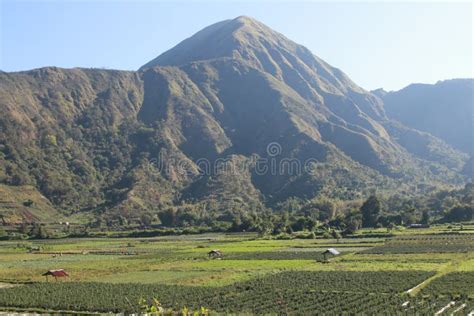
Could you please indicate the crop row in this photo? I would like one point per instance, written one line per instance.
(275, 255)
(124, 298)
(344, 281)
(426, 244)
(454, 284)
(287, 292)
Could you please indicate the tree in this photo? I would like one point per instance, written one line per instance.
(280, 223)
(352, 226)
(408, 217)
(459, 214)
(236, 224)
(146, 220)
(168, 217)
(322, 209)
(353, 222)
(38, 231)
(28, 203)
(390, 226)
(370, 211)
(51, 140)
(336, 235)
(425, 217)
(301, 223)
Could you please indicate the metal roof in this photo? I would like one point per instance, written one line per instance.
(57, 273)
(333, 251)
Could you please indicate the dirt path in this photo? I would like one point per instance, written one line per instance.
(451, 266)
(449, 305)
(7, 285)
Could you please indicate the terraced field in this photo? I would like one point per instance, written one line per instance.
(427, 244)
(455, 284)
(260, 276)
(296, 291)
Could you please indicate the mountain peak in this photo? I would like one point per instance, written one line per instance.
(245, 19)
(220, 39)
(248, 22)
(380, 92)
(249, 41)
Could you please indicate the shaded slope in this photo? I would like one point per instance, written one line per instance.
(122, 144)
(444, 109)
(237, 52)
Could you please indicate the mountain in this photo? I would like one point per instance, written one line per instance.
(233, 120)
(444, 110)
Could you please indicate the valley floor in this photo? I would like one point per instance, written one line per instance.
(418, 271)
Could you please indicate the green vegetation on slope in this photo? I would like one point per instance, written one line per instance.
(124, 147)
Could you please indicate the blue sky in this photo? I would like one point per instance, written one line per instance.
(385, 45)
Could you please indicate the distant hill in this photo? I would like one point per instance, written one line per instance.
(444, 110)
(121, 144)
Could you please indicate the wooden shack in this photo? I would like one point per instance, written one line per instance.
(330, 252)
(58, 273)
(215, 253)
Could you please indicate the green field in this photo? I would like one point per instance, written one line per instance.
(409, 273)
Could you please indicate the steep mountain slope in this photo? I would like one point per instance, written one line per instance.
(235, 62)
(18, 203)
(256, 70)
(444, 110)
(468, 168)
(232, 120)
(245, 39)
(60, 131)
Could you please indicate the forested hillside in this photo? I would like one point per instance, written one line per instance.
(158, 144)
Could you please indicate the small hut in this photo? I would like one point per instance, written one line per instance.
(330, 252)
(59, 273)
(419, 226)
(215, 253)
(34, 249)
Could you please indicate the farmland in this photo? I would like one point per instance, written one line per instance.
(410, 273)
(427, 244)
(295, 292)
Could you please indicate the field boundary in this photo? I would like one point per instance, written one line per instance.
(450, 267)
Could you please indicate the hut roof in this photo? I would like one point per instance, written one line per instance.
(216, 251)
(56, 273)
(332, 251)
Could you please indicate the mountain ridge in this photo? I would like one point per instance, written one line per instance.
(123, 143)
(428, 107)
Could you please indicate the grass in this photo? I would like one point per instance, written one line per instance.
(13, 209)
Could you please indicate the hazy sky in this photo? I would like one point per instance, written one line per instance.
(378, 45)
